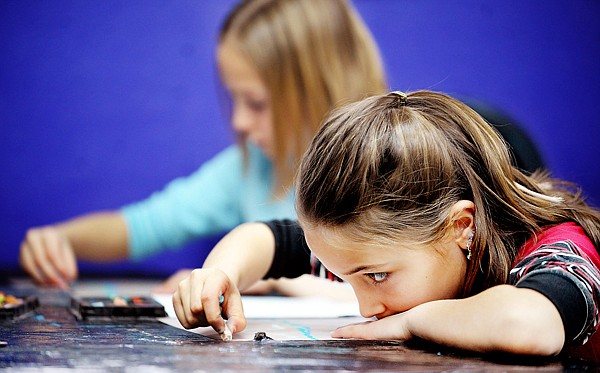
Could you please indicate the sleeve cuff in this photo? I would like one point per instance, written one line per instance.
(292, 257)
(566, 297)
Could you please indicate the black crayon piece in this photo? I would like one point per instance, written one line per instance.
(261, 336)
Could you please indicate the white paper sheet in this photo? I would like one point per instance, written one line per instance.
(283, 307)
(283, 329)
(282, 318)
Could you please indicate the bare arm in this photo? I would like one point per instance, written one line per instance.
(503, 318)
(97, 237)
(245, 254)
(49, 254)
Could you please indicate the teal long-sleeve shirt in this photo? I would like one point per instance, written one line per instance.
(216, 198)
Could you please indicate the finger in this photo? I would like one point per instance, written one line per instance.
(182, 309)
(72, 272)
(37, 245)
(28, 264)
(46, 249)
(194, 315)
(206, 288)
(179, 311)
(60, 254)
(360, 331)
(212, 307)
(234, 311)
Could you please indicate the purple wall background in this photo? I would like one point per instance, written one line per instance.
(104, 102)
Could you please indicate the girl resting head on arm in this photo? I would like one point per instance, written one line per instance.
(412, 199)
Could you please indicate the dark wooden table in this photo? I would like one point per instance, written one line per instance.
(52, 338)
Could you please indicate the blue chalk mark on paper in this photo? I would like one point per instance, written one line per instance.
(303, 329)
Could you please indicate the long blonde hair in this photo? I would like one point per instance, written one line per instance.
(312, 55)
(390, 167)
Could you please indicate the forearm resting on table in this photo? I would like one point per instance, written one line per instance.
(503, 319)
(97, 237)
(245, 254)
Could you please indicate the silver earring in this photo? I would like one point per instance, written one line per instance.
(468, 246)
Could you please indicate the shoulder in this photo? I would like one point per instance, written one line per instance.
(566, 237)
(232, 153)
(247, 157)
(236, 161)
(560, 262)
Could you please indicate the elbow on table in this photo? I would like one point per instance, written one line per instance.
(529, 336)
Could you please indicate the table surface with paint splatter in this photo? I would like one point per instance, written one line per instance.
(51, 338)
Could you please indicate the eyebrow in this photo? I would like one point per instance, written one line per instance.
(360, 269)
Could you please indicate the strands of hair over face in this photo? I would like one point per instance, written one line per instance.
(390, 169)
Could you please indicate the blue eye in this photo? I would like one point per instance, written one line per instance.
(378, 276)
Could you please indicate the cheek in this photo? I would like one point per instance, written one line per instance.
(441, 283)
(400, 299)
(402, 294)
(267, 125)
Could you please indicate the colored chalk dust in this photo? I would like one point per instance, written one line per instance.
(116, 307)
(12, 306)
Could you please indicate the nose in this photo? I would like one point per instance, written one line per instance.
(241, 120)
(370, 306)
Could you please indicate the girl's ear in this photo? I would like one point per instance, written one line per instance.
(463, 222)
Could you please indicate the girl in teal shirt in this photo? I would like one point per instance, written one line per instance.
(284, 64)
